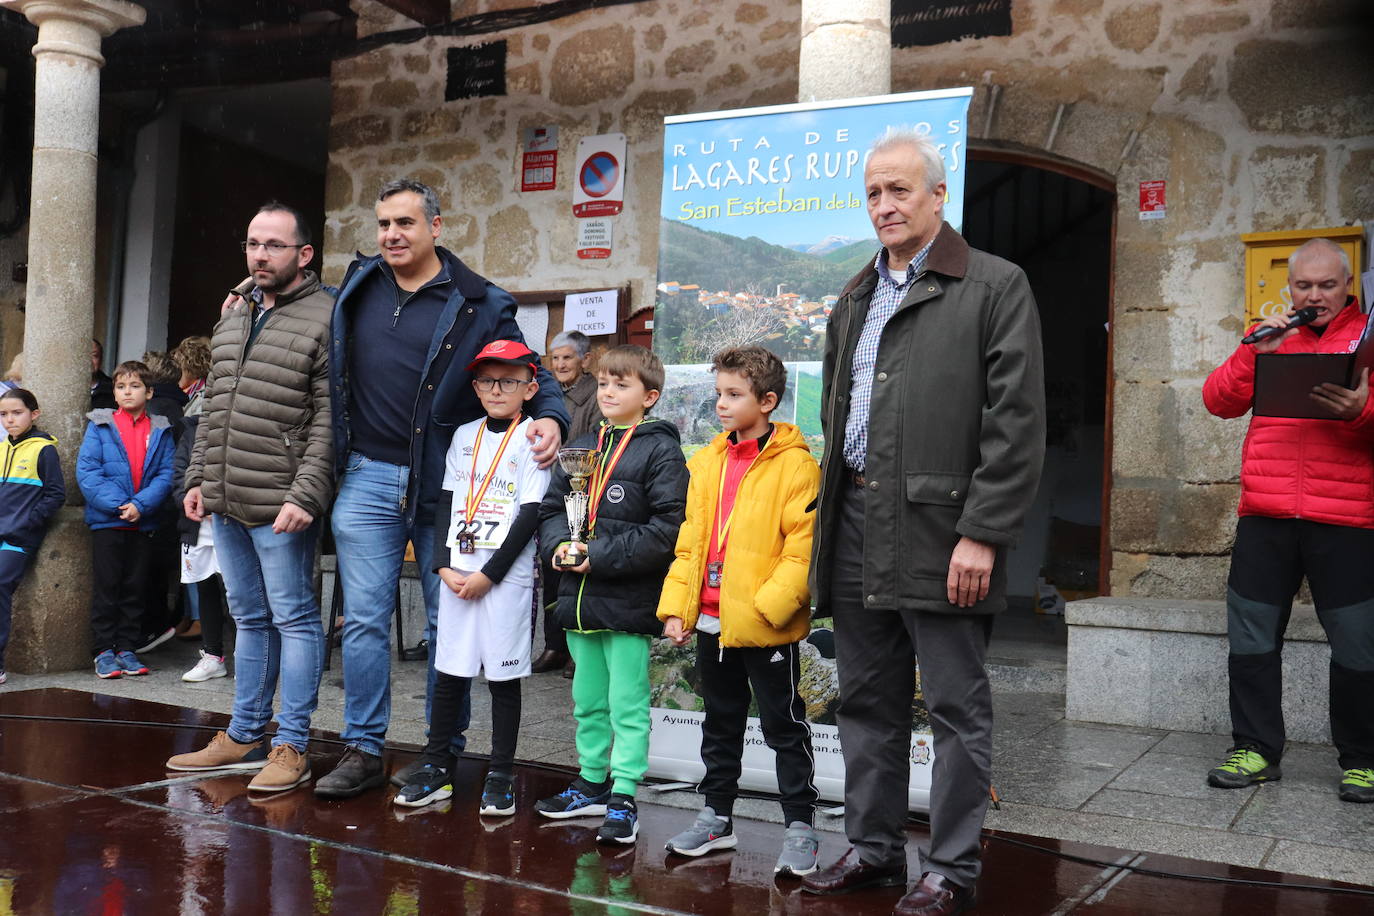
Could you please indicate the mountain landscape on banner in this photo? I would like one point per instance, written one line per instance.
(827, 244)
(719, 261)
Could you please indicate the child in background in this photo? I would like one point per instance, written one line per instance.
(484, 552)
(607, 602)
(124, 469)
(739, 582)
(200, 577)
(31, 492)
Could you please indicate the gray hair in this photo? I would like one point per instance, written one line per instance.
(932, 163)
(575, 339)
(1316, 245)
(427, 195)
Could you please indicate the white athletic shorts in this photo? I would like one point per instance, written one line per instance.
(199, 563)
(492, 635)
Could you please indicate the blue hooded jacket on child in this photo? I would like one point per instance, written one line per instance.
(107, 481)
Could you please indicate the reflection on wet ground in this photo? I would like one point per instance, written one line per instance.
(90, 822)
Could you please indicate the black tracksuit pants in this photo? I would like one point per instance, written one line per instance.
(1268, 563)
(119, 563)
(725, 679)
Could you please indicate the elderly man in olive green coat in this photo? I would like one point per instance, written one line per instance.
(934, 417)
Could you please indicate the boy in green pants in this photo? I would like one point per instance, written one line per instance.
(607, 602)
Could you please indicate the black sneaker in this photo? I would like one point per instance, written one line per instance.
(150, 641)
(429, 784)
(402, 776)
(622, 821)
(498, 796)
(579, 799)
(356, 772)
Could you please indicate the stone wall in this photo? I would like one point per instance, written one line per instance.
(620, 69)
(1260, 116)
(1256, 112)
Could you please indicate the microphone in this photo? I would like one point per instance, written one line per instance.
(1300, 318)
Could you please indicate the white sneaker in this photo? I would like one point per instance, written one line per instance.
(209, 666)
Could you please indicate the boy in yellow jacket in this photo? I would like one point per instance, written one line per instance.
(739, 583)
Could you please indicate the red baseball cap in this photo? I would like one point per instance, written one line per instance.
(506, 351)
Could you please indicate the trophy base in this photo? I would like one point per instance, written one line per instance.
(570, 561)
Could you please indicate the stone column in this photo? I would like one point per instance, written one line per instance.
(846, 49)
(51, 622)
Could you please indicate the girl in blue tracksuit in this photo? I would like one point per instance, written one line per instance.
(31, 492)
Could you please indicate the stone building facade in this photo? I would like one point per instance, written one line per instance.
(1257, 113)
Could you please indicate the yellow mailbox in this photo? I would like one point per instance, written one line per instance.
(1266, 266)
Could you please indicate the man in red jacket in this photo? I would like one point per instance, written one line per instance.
(1306, 509)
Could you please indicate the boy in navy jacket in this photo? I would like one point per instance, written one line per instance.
(124, 470)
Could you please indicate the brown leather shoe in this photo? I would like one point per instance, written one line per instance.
(549, 660)
(935, 895)
(850, 874)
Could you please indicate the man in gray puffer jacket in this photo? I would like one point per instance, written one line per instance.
(263, 465)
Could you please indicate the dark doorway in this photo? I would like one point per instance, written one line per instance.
(1057, 224)
(239, 149)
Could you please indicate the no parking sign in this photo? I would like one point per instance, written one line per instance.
(599, 187)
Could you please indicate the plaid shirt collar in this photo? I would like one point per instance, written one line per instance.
(917, 264)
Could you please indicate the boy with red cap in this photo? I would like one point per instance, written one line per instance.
(484, 552)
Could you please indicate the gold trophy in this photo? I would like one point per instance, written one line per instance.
(579, 464)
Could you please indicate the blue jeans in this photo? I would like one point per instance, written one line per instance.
(370, 534)
(269, 581)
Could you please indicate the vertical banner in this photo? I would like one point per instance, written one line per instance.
(763, 221)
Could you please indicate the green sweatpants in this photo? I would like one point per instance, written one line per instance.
(610, 692)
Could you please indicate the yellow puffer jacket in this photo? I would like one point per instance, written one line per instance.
(763, 598)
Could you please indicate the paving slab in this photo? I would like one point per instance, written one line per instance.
(1216, 811)
(1055, 779)
(1298, 813)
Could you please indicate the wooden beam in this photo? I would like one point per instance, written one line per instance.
(425, 12)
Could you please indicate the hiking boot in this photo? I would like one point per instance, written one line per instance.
(106, 666)
(1243, 766)
(129, 663)
(579, 799)
(222, 753)
(426, 785)
(1357, 785)
(800, 845)
(209, 666)
(498, 796)
(286, 768)
(622, 821)
(707, 832)
(356, 772)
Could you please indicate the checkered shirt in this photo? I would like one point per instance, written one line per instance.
(887, 295)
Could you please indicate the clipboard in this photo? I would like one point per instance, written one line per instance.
(1284, 380)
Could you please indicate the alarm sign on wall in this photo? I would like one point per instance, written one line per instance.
(599, 185)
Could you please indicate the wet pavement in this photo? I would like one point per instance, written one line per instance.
(91, 822)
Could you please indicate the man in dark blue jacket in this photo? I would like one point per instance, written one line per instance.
(406, 325)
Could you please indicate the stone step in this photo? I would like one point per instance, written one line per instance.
(1027, 675)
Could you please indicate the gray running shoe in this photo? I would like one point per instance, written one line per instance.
(799, 848)
(707, 832)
